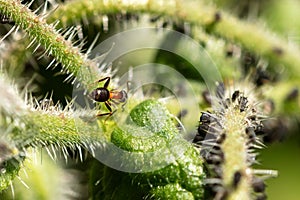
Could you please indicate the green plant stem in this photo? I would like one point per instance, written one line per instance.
(217, 48)
(23, 125)
(46, 129)
(235, 152)
(27, 124)
(250, 36)
(286, 104)
(73, 61)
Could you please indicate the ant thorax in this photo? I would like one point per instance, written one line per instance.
(121, 96)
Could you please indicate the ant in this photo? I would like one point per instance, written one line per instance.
(102, 94)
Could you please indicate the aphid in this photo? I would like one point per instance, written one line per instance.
(217, 147)
(259, 129)
(261, 77)
(243, 103)
(292, 95)
(202, 131)
(258, 185)
(251, 134)
(232, 50)
(218, 16)
(235, 95)
(278, 51)
(102, 94)
(226, 103)
(221, 138)
(222, 195)
(6, 20)
(214, 159)
(155, 18)
(205, 130)
(252, 117)
(268, 106)
(182, 113)
(248, 60)
(206, 96)
(236, 179)
(218, 171)
(198, 138)
(205, 118)
(45, 104)
(274, 130)
(165, 24)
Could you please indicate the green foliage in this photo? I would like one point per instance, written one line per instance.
(9, 171)
(170, 191)
(238, 46)
(146, 133)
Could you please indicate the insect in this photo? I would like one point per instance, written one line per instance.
(258, 185)
(103, 94)
(6, 20)
(243, 103)
(235, 95)
(237, 178)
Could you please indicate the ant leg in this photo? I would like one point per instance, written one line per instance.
(106, 83)
(110, 113)
(117, 103)
(108, 106)
(100, 80)
(129, 84)
(103, 114)
(123, 106)
(103, 79)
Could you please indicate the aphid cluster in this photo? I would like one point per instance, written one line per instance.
(212, 134)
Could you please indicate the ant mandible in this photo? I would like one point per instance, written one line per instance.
(102, 94)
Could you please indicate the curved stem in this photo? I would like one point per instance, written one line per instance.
(250, 36)
(73, 61)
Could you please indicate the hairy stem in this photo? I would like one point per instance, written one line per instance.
(73, 61)
(250, 36)
(235, 151)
